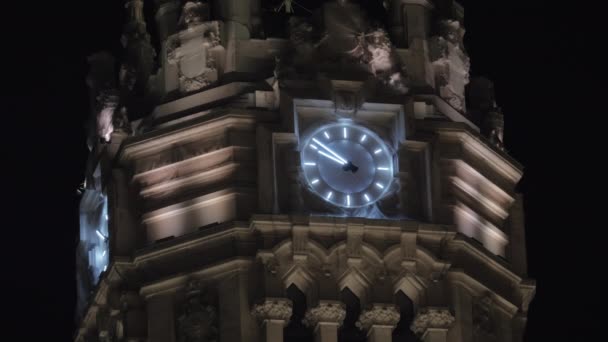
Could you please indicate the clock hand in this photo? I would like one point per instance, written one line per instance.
(342, 160)
(332, 158)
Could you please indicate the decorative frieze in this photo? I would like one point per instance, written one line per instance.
(198, 321)
(325, 312)
(276, 309)
(379, 315)
(434, 318)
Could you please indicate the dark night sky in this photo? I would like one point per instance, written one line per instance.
(543, 58)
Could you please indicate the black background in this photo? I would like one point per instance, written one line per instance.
(545, 59)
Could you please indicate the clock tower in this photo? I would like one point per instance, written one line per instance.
(327, 174)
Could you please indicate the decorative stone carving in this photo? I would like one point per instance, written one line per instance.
(483, 322)
(108, 102)
(198, 322)
(374, 48)
(110, 325)
(325, 312)
(271, 265)
(273, 309)
(484, 112)
(139, 53)
(379, 314)
(432, 318)
(450, 63)
(191, 51)
(194, 13)
(493, 127)
(350, 46)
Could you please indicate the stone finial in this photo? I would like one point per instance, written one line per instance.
(379, 314)
(438, 318)
(273, 309)
(325, 312)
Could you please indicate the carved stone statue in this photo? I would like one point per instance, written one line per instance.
(198, 322)
(450, 63)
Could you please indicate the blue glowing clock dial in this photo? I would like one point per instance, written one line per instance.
(347, 165)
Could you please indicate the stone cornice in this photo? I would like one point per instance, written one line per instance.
(174, 283)
(192, 204)
(204, 97)
(190, 241)
(500, 162)
(152, 143)
(507, 305)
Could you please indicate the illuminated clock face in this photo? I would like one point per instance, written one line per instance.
(347, 165)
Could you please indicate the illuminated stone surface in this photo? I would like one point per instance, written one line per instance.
(197, 219)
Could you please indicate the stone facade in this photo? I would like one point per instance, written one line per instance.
(207, 228)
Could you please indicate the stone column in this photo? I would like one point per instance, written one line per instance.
(432, 324)
(379, 322)
(325, 319)
(273, 314)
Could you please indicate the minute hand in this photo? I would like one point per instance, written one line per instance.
(330, 150)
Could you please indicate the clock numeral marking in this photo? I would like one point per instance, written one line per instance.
(380, 185)
(363, 138)
(326, 135)
(378, 151)
(329, 194)
(366, 197)
(100, 235)
(348, 200)
(103, 254)
(315, 181)
(314, 147)
(345, 133)
(105, 268)
(310, 164)
(383, 168)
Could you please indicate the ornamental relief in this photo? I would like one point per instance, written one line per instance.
(198, 321)
(191, 50)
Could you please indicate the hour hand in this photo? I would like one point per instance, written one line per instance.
(342, 160)
(331, 157)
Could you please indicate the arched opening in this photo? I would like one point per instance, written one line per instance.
(349, 331)
(402, 332)
(296, 331)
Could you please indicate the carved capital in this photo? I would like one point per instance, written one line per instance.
(379, 314)
(325, 312)
(277, 309)
(437, 318)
